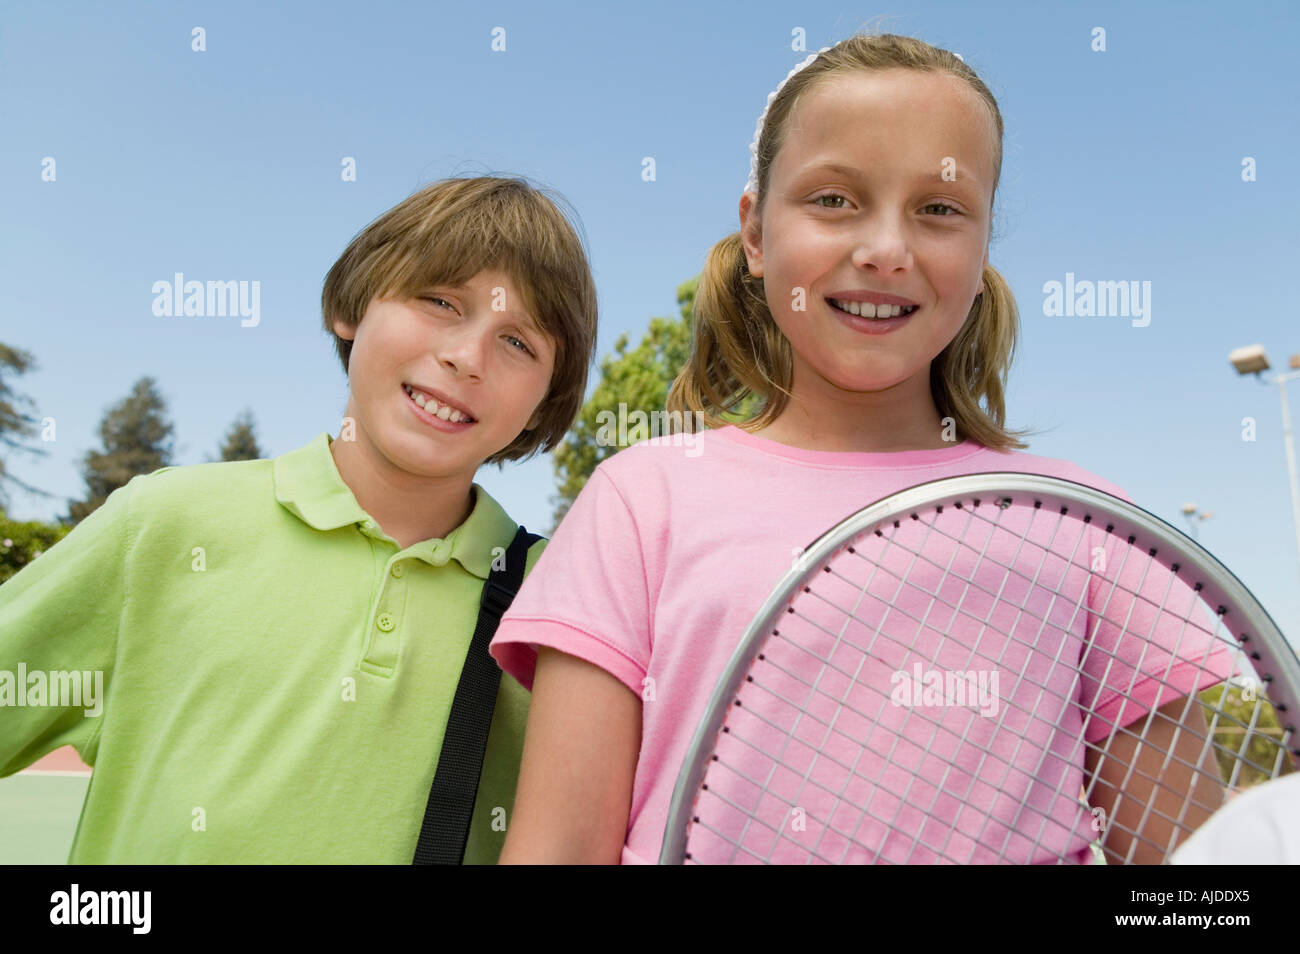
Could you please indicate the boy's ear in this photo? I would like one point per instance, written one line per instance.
(344, 330)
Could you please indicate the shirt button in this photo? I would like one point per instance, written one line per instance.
(397, 569)
(385, 622)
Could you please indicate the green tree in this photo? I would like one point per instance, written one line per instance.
(638, 379)
(138, 439)
(18, 424)
(1259, 749)
(23, 542)
(240, 442)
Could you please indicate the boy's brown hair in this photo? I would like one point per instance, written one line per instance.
(447, 233)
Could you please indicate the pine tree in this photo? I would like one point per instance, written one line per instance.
(138, 439)
(17, 422)
(240, 441)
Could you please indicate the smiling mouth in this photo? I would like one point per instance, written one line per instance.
(865, 309)
(436, 408)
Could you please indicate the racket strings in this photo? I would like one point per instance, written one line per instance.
(1177, 825)
(934, 598)
(1138, 670)
(794, 803)
(816, 853)
(1049, 549)
(1222, 641)
(805, 742)
(1240, 756)
(1008, 571)
(935, 723)
(1138, 834)
(794, 705)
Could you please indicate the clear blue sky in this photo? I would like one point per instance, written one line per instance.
(1122, 165)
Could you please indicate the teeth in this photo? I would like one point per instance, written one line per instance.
(431, 405)
(865, 309)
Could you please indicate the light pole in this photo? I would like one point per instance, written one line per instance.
(1252, 360)
(1193, 516)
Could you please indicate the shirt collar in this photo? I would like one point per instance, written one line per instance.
(308, 485)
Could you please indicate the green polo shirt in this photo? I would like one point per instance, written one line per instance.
(277, 671)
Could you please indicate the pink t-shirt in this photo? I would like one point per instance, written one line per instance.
(663, 560)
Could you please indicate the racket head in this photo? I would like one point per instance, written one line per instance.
(978, 519)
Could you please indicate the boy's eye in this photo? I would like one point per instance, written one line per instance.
(516, 342)
(944, 205)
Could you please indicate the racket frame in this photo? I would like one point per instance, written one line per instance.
(1220, 589)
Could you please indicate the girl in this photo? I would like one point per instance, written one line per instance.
(858, 304)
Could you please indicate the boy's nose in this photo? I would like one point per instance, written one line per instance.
(463, 353)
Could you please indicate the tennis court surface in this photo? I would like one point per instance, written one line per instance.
(39, 808)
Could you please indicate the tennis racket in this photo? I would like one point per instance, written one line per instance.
(992, 668)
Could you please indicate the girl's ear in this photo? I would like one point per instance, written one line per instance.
(751, 233)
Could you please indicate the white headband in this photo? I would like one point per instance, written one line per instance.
(752, 184)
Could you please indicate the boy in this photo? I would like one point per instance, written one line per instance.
(280, 640)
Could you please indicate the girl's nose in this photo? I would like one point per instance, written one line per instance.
(882, 243)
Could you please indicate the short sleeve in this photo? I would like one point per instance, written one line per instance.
(1152, 640)
(59, 626)
(588, 594)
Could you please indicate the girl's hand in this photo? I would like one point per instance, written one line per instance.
(580, 755)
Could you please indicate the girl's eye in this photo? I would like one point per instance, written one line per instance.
(833, 196)
(516, 342)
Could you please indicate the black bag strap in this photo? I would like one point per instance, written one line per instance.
(445, 829)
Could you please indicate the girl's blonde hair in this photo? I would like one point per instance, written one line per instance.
(740, 352)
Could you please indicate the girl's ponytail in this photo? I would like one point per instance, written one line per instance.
(738, 351)
(975, 366)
